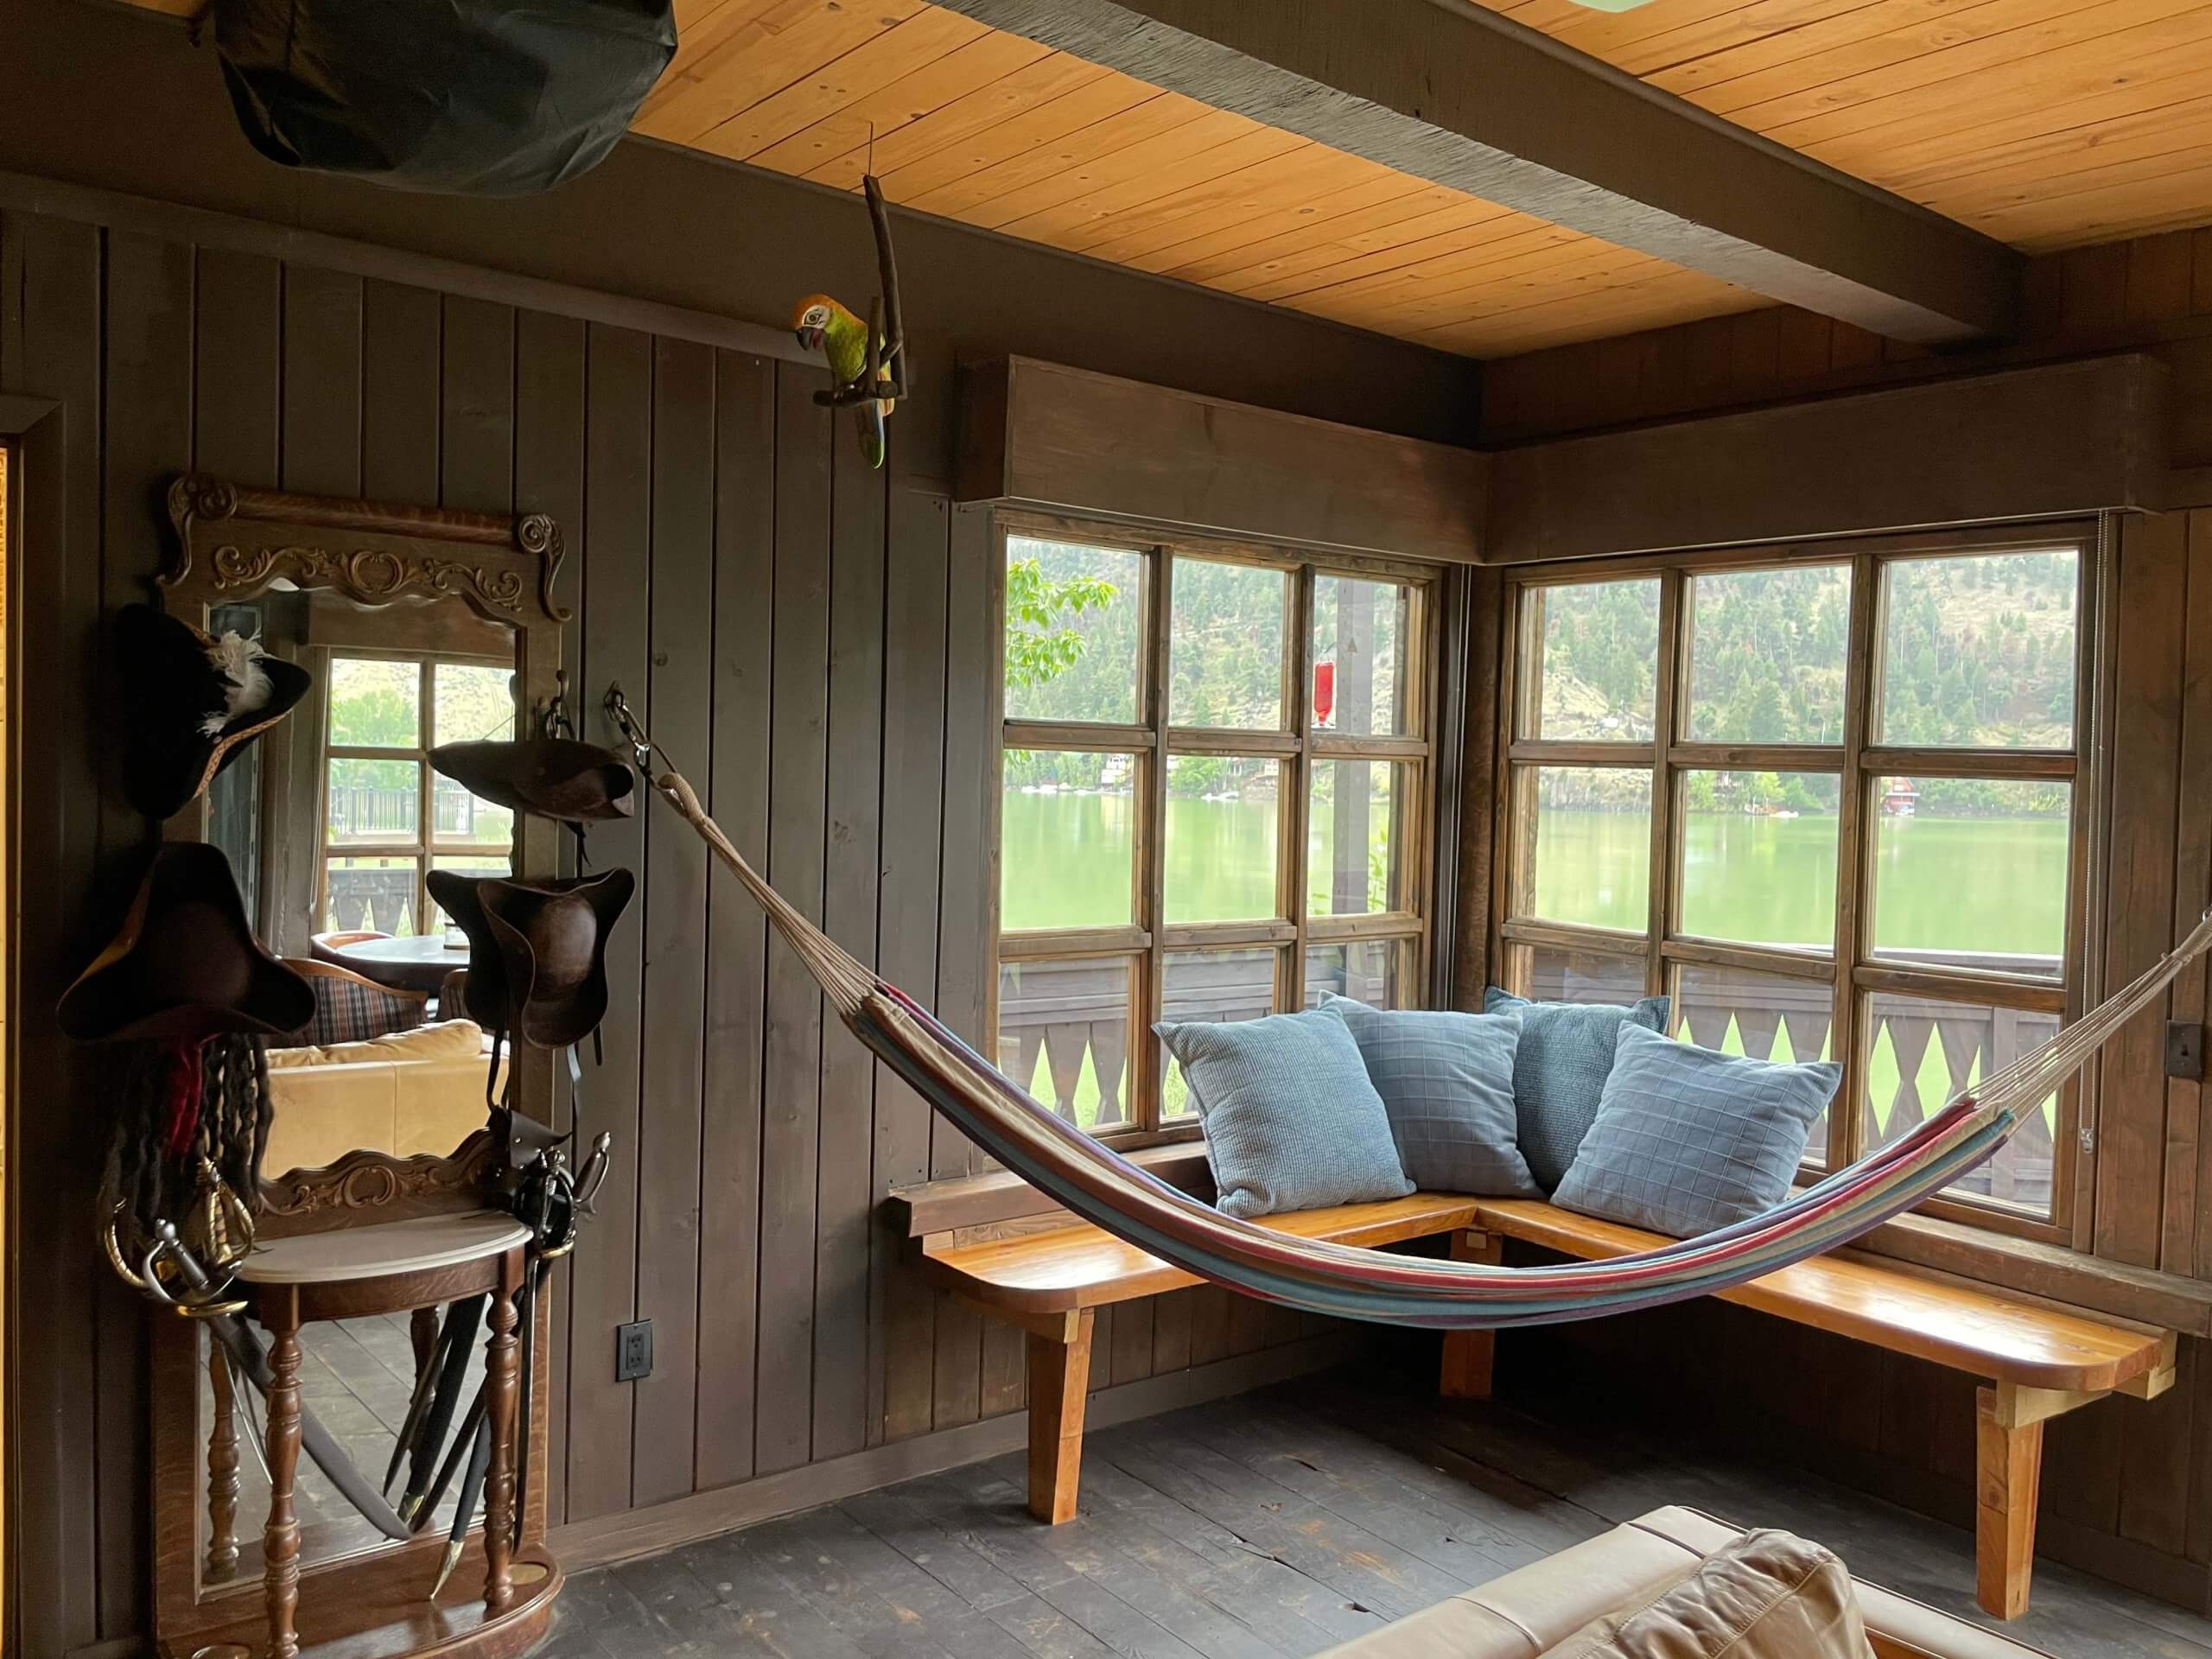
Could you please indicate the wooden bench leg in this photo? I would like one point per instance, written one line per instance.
(1059, 1382)
(1470, 1356)
(2008, 1473)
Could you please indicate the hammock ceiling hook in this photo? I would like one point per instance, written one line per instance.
(634, 734)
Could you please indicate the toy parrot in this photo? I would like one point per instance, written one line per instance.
(823, 325)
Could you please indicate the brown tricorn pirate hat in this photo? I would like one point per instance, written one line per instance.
(554, 777)
(537, 950)
(185, 963)
(190, 704)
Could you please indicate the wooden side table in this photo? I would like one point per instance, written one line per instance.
(392, 1267)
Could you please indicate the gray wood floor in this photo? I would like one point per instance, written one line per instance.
(1269, 1525)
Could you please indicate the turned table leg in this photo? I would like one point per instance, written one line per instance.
(280, 1545)
(502, 1384)
(1059, 1382)
(1470, 1356)
(222, 1468)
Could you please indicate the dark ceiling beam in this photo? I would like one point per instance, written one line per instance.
(1453, 92)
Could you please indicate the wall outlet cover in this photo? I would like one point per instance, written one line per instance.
(633, 1352)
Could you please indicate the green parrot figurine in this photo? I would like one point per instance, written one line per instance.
(823, 325)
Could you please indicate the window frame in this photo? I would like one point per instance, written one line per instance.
(1848, 965)
(1151, 741)
(426, 848)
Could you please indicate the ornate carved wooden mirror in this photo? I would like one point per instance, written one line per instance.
(417, 627)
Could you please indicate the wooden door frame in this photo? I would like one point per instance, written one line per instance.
(33, 429)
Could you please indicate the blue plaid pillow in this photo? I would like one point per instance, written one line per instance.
(1560, 1071)
(1447, 1080)
(1689, 1140)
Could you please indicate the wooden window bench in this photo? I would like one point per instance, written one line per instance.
(2037, 1359)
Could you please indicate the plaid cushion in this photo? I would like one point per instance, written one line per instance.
(348, 1011)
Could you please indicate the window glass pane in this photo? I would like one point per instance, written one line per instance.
(1971, 872)
(1593, 657)
(1225, 645)
(375, 703)
(1378, 972)
(1544, 974)
(1979, 651)
(1355, 841)
(373, 802)
(1766, 655)
(461, 817)
(1359, 682)
(1921, 1052)
(1223, 813)
(376, 895)
(1074, 625)
(472, 701)
(1592, 859)
(1758, 856)
(1215, 986)
(1063, 1035)
(1067, 840)
(1763, 1016)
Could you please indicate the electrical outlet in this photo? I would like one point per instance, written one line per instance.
(2185, 1050)
(633, 1352)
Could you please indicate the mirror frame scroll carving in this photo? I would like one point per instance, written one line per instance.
(232, 544)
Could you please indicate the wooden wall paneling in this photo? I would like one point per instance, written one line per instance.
(2198, 1545)
(2156, 1485)
(2146, 736)
(844, 1196)
(322, 413)
(1172, 1317)
(737, 936)
(239, 336)
(477, 406)
(147, 397)
(50, 344)
(618, 506)
(903, 1371)
(2181, 1221)
(1129, 1355)
(400, 397)
(790, 1096)
(549, 477)
(672, 1084)
(964, 944)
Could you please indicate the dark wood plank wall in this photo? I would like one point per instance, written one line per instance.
(810, 638)
(2129, 1486)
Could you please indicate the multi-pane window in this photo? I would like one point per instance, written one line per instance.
(1830, 805)
(388, 818)
(1213, 803)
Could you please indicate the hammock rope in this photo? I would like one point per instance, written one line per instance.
(1317, 1276)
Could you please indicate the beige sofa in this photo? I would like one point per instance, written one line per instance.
(412, 1091)
(1536, 1609)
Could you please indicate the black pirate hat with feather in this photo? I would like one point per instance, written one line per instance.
(192, 702)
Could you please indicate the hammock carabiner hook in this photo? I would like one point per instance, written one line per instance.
(634, 734)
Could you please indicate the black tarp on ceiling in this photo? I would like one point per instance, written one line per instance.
(467, 96)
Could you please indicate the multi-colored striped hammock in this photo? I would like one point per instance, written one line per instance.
(1117, 1195)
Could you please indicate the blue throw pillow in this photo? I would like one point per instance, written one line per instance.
(1560, 1071)
(1687, 1139)
(1446, 1081)
(1292, 1121)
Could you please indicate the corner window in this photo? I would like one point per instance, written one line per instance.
(1831, 806)
(1214, 803)
(388, 819)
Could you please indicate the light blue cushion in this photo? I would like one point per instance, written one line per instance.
(1292, 1121)
(1687, 1139)
(1446, 1081)
(1560, 1071)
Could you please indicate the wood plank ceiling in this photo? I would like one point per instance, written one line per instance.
(2043, 122)
(998, 131)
